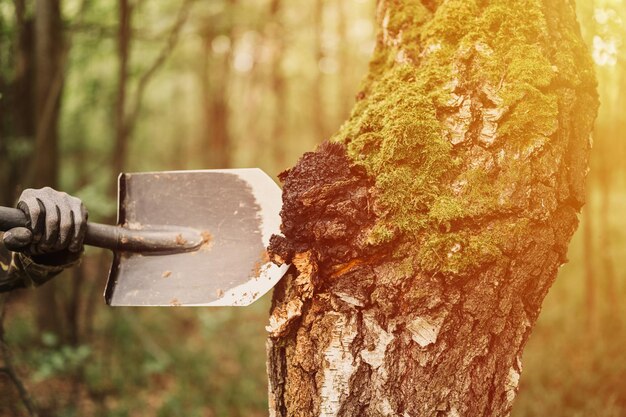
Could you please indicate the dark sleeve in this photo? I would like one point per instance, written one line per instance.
(9, 279)
(20, 271)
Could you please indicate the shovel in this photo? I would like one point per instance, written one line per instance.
(187, 238)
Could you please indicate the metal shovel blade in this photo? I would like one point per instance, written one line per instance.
(235, 210)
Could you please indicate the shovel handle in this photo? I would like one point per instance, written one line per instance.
(157, 241)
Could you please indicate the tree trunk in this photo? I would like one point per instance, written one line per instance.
(126, 116)
(18, 112)
(424, 238)
(590, 275)
(216, 135)
(120, 150)
(278, 86)
(49, 77)
(318, 108)
(4, 152)
(345, 92)
(606, 245)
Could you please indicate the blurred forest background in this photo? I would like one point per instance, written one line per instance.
(89, 88)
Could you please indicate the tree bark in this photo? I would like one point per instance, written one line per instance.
(424, 238)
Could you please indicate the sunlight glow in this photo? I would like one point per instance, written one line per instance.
(328, 65)
(243, 62)
(604, 51)
(221, 44)
(606, 16)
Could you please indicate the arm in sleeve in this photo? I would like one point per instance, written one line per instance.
(19, 271)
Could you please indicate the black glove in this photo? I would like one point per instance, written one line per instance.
(56, 227)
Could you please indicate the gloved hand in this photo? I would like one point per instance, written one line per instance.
(56, 227)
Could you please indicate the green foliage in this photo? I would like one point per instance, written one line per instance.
(18, 148)
(56, 359)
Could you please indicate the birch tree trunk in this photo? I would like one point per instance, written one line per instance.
(426, 234)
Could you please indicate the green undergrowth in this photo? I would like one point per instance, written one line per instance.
(498, 55)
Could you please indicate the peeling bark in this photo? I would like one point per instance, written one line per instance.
(424, 237)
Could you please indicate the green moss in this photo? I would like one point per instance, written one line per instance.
(446, 209)
(500, 53)
(452, 21)
(536, 114)
(381, 233)
(391, 144)
(406, 14)
(460, 252)
(454, 253)
(528, 65)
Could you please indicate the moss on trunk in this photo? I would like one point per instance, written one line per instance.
(459, 98)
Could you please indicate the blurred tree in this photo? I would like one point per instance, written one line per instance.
(217, 32)
(4, 154)
(604, 215)
(318, 108)
(604, 32)
(18, 101)
(127, 111)
(278, 86)
(424, 240)
(49, 79)
(586, 15)
(590, 271)
(122, 128)
(49, 75)
(345, 90)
